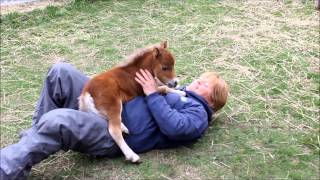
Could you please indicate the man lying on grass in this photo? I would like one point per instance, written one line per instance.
(155, 121)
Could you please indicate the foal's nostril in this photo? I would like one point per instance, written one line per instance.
(173, 84)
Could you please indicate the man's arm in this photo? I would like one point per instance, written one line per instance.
(184, 124)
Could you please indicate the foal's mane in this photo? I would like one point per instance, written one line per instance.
(136, 55)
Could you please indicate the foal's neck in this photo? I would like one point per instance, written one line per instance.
(144, 62)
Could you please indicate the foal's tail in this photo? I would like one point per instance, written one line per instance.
(86, 103)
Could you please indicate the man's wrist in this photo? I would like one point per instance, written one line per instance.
(150, 92)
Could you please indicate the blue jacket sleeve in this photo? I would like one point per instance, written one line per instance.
(186, 123)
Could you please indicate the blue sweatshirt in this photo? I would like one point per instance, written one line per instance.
(165, 121)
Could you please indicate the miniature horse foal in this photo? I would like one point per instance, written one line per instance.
(105, 93)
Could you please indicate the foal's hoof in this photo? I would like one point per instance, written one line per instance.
(134, 159)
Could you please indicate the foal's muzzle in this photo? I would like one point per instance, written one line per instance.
(173, 83)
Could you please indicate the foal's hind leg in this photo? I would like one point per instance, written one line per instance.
(114, 115)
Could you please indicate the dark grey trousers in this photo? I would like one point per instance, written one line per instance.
(56, 125)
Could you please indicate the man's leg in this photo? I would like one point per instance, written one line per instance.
(58, 129)
(61, 89)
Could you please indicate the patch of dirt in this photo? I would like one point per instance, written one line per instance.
(29, 6)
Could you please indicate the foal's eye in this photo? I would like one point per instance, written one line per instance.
(165, 68)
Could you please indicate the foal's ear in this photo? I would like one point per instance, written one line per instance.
(156, 52)
(164, 44)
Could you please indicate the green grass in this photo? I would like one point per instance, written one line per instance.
(268, 51)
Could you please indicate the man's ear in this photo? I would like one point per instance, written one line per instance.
(156, 52)
(164, 44)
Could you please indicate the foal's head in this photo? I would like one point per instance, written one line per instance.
(158, 60)
(163, 65)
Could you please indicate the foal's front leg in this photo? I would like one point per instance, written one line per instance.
(166, 90)
(124, 129)
(114, 115)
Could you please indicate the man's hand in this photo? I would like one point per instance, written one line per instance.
(147, 81)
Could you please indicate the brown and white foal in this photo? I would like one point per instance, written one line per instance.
(105, 93)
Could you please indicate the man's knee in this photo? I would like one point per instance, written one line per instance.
(66, 74)
(54, 120)
(70, 120)
(61, 69)
(74, 129)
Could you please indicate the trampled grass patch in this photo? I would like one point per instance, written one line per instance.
(268, 51)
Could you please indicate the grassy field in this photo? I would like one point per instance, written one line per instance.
(268, 51)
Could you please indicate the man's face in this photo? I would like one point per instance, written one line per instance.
(202, 87)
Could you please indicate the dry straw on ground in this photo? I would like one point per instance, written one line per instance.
(260, 47)
(29, 6)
